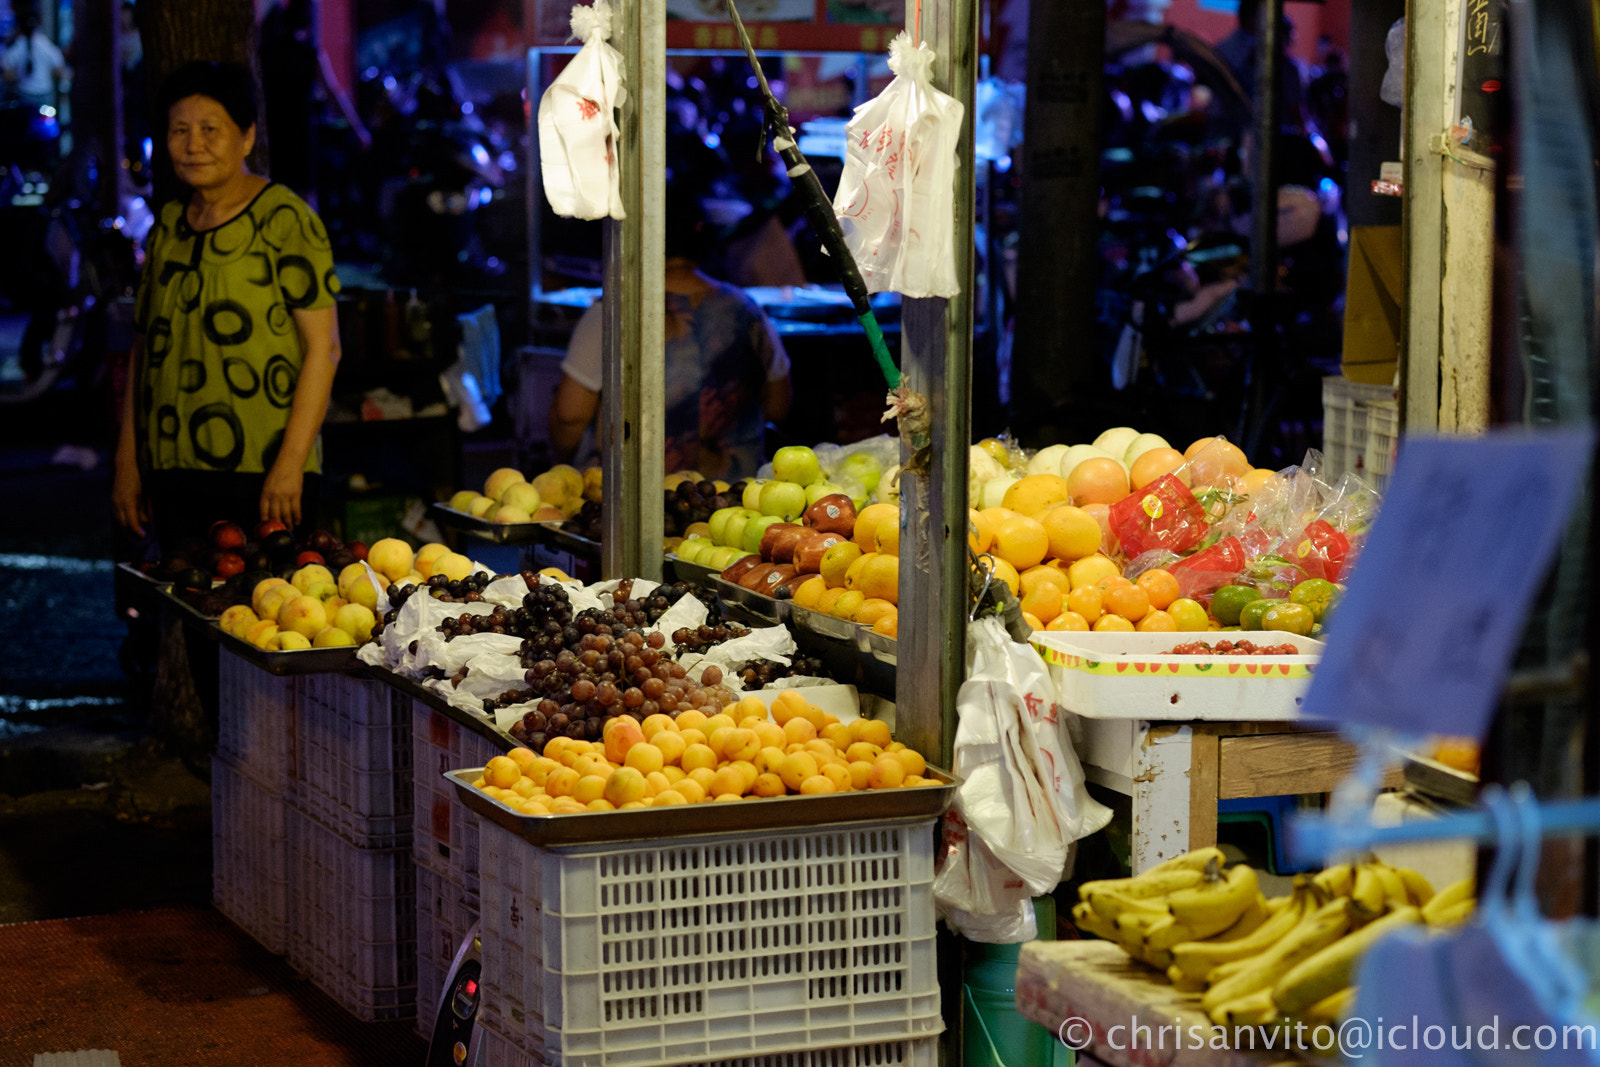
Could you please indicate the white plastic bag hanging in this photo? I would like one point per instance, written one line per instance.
(896, 198)
(577, 123)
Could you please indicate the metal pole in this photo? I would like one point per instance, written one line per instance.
(1264, 229)
(634, 303)
(936, 361)
(1422, 215)
(533, 186)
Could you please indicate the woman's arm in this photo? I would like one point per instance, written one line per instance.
(127, 488)
(319, 339)
(571, 412)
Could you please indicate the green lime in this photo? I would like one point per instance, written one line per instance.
(1227, 602)
(1318, 594)
(1250, 616)
(1289, 617)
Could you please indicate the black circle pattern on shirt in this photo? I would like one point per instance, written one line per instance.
(280, 378)
(311, 228)
(203, 417)
(189, 285)
(237, 336)
(243, 380)
(330, 281)
(280, 226)
(297, 273)
(279, 321)
(167, 422)
(230, 240)
(263, 279)
(158, 341)
(191, 376)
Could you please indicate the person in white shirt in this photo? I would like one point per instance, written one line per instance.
(32, 65)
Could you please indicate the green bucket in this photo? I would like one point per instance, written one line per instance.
(994, 1033)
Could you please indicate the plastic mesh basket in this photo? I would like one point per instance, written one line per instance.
(446, 839)
(255, 721)
(353, 753)
(496, 1051)
(705, 949)
(249, 854)
(1360, 428)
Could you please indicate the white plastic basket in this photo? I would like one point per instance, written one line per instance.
(496, 1051)
(443, 919)
(712, 948)
(352, 766)
(255, 721)
(446, 833)
(249, 854)
(1360, 425)
(352, 920)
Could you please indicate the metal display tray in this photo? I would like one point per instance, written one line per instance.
(684, 820)
(1436, 780)
(694, 573)
(478, 724)
(553, 534)
(298, 661)
(758, 606)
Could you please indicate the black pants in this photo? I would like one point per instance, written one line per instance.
(184, 503)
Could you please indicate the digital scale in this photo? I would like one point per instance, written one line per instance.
(456, 1037)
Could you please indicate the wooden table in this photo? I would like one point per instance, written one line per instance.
(1176, 772)
(1118, 1012)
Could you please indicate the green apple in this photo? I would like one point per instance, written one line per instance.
(817, 490)
(733, 532)
(719, 522)
(784, 499)
(754, 529)
(864, 467)
(1142, 444)
(1047, 460)
(752, 493)
(1116, 440)
(1077, 454)
(726, 555)
(994, 490)
(796, 463)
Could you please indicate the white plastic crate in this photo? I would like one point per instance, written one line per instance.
(352, 765)
(446, 833)
(443, 920)
(1360, 428)
(352, 920)
(255, 721)
(712, 948)
(249, 856)
(496, 1051)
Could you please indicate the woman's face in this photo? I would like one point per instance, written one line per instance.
(207, 147)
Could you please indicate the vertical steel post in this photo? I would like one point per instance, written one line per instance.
(1422, 214)
(634, 303)
(936, 361)
(1264, 226)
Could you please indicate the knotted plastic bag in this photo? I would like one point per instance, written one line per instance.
(896, 198)
(577, 123)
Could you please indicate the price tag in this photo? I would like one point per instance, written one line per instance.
(1434, 611)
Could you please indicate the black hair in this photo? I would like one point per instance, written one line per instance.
(229, 84)
(689, 234)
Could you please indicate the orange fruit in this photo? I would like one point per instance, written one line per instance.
(836, 563)
(1189, 616)
(980, 531)
(1073, 532)
(808, 592)
(1217, 463)
(1111, 581)
(872, 609)
(1036, 494)
(1087, 601)
(867, 521)
(1021, 541)
(1098, 481)
(696, 756)
(1128, 601)
(1005, 572)
(1154, 464)
(1044, 572)
(1043, 602)
(1032, 620)
(888, 538)
(1112, 622)
(1255, 479)
(879, 579)
(1160, 586)
(848, 604)
(888, 626)
(856, 567)
(1156, 621)
(1068, 620)
(828, 599)
(1090, 569)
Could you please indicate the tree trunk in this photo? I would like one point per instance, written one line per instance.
(97, 92)
(176, 32)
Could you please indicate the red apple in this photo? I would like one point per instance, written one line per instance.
(227, 535)
(808, 553)
(308, 556)
(770, 537)
(833, 513)
(271, 526)
(228, 564)
(754, 578)
(358, 549)
(740, 567)
(322, 541)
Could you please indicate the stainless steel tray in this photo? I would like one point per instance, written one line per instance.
(554, 534)
(478, 724)
(298, 661)
(684, 820)
(1436, 780)
(877, 645)
(825, 625)
(757, 605)
(693, 573)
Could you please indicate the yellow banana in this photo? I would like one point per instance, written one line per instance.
(1199, 959)
(1311, 935)
(1145, 886)
(1335, 881)
(1183, 983)
(1157, 958)
(1394, 887)
(1189, 861)
(1277, 904)
(1109, 904)
(1417, 888)
(1368, 892)
(1089, 921)
(1223, 971)
(1134, 926)
(1255, 913)
(1458, 912)
(1447, 897)
(1331, 1009)
(1330, 970)
(1254, 1009)
(1164, 936)
(1212, 907)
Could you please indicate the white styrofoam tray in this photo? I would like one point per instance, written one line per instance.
(1130, 676)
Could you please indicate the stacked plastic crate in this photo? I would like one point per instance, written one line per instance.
(353, 899)
(249, 782)
(445, 847)
(780, 947)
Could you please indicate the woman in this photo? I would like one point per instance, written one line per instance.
(236, 336)
(726, 371)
